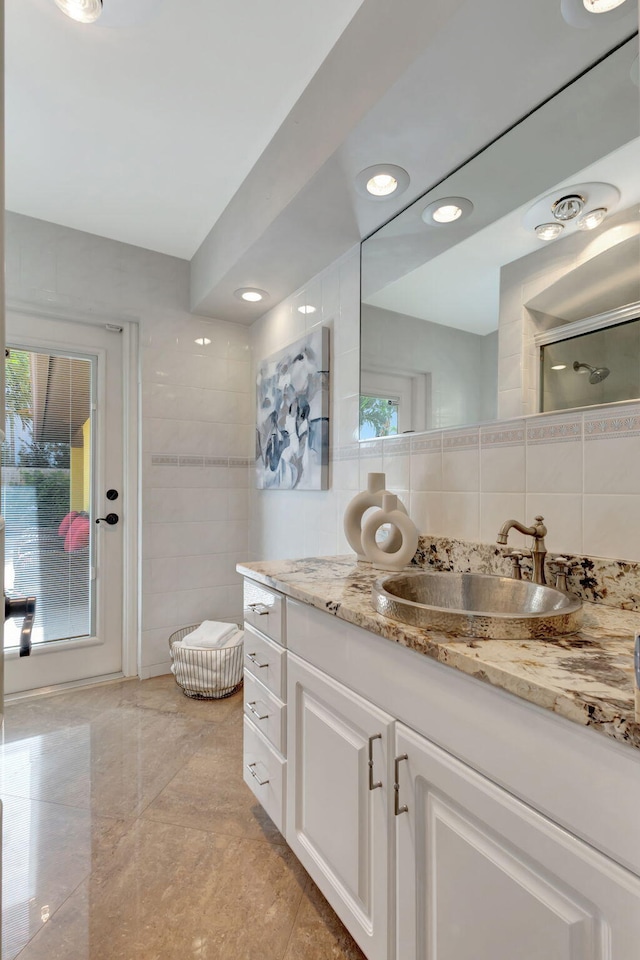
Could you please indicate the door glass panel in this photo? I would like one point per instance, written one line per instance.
(46, 492)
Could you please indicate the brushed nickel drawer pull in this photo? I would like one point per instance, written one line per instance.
(252, 706)
(260, 608)
(397, 809)
(251, 767)
(378, 783)
(252, 658)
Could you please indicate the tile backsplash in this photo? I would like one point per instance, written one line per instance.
(616, 583)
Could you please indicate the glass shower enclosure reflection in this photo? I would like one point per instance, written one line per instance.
(591, 368)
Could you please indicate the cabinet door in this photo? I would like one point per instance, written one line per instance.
(481, 876)
(338, 818)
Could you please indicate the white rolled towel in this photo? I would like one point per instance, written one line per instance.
(196, 672)
(210, 633)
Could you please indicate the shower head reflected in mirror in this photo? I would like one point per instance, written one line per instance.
(596, 374)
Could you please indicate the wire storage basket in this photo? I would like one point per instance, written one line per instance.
(207, 674)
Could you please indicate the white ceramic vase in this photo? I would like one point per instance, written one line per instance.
(401, 524)
(356, 508)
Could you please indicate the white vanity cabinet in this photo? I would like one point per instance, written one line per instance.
(264, 751)
(338, 800)
(482, 876)
(521, 833)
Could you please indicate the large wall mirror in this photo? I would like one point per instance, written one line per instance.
(513, 287)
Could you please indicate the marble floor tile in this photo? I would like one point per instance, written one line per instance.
(114, 765)
(48, 850)
(130, 835)
(209, 793)
(317, 932)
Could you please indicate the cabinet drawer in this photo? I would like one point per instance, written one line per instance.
(266, 660)
(265, 711)
(264, 773)
(264, 609)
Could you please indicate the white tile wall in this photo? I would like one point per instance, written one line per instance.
(196, 414)
(579, 470)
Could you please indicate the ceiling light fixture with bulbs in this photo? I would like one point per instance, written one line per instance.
(447, 210)
(580, 207)
(601, 6)
(587, 14)
(82, 11)
(111, 13)
(382, 181)
(250, 294)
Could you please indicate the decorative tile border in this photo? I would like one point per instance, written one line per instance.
(426, 443)
(502, 436)
(463, 439)
(553, 430)
(396, 447)
(370, 448)
(624, 425)
(348, 452)
(169, 460)
(616, 583)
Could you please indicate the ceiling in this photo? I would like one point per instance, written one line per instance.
(473, 305)
(231, 134)
(143, 133)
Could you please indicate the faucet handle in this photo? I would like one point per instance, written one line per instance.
(515, 557)
(562, 567)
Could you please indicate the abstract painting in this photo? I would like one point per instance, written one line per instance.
(292, 423)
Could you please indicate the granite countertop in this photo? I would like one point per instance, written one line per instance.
(586, 677)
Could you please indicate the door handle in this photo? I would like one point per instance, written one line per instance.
(22, 607)
(111, 519)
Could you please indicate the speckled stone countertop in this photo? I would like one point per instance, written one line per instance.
(586, 677)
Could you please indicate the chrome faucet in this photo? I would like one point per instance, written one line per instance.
(539, 550)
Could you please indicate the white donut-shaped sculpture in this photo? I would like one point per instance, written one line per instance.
(356, 509)
(403, 525)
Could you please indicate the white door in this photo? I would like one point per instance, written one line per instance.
(338, 800)
(63, 454)
(481, 876)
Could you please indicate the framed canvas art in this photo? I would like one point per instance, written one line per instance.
(292, 420)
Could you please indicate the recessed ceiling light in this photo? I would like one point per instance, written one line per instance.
(591, 219)
(580, 13)
(548, 231)
(83, 11)
(447, 210)
(559, 366)
(250, 294)
(306, 308)
(382, 181)
(202, 341)
(447, 213)
(601, 6)
(382, 185)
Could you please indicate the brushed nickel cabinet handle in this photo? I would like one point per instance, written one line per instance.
(260, 608)
(378, 783)
(397, 809)
(252, 657)
(252, 707)
(251, 767)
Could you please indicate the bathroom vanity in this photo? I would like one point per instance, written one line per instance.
(484, 812)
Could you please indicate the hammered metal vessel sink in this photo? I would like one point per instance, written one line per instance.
(477, 605)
